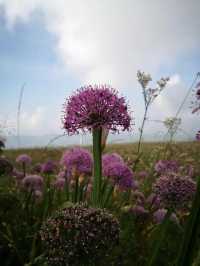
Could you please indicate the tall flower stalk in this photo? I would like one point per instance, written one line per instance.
(149, 96)
(97, 109)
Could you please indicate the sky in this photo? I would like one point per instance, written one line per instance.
(54, 47)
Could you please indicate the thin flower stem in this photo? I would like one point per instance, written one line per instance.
(142, 129)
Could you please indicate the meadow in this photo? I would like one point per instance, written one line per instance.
(119, 205)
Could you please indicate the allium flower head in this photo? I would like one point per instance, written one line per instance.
(33, 182)
(48, 167)
(77, 234)
(95, 107)
(159, 215)
(111, 158)
(77, 160)
(166, 166)
(59, 183)
(120, 175)
(24, 158)
(174, 191)
(140, 212)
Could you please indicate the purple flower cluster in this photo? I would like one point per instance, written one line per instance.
(59, 183)
(48, 167)
(159, 216)
(117, 172)
(95, 107)
(166, 166)
(78, 161)
(33, 182)
(24, 158)
(174, 190)
(78, 233)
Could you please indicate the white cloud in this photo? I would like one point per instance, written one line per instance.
(107, 41)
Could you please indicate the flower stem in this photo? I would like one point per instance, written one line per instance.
(142, 129)
(186, 253)
(97, 154)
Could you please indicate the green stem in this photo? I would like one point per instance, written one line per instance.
(97, 154)
(163, 229)
(186, 253)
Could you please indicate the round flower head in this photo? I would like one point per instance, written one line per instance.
(59, 183)
(111, 158)
(119, 174)
(33, 182)
(174, 191)
(77, 234)
(49, 167)
(166, 166)
(94, 107)
(77, 160)
(24, 158)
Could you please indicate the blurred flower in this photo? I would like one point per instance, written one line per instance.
(159, 215)
(119, 174)
(33, 182)
(153, 200)
(17, 174)
(94, 107)
(5, 166)
(24, 158)
(174, 191)
(37, 168)
(77, 160)
(78, 233)
(109, 158)
(59, 183)
(198, 136)
(140, 212)
(165, 166)
(48, 167)
(143, 174)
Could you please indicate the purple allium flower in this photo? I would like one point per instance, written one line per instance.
(159, 215)
(59, 183)
(33, 182)
(143, 174)
(24, 158)
(95, 107)
(17, 174)
(174, 191)
(140, 212)
(37, 168)
(198, 136)
(119, 174)
(48, 167)
(78, 233)
(166, 166)
(77, 160)
(109, 158)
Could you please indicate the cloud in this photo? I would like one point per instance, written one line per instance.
(107, 41)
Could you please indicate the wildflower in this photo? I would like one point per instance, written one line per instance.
(17, 174)
(59, 183)
(174, 190)
(95, 107)
(78, 233)
(159, 215)
(109, 158)
(140, 212)
(165, 166)
(24, 159)
(77, 160)
(33, 182)
(48, 167)
(120, 174)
